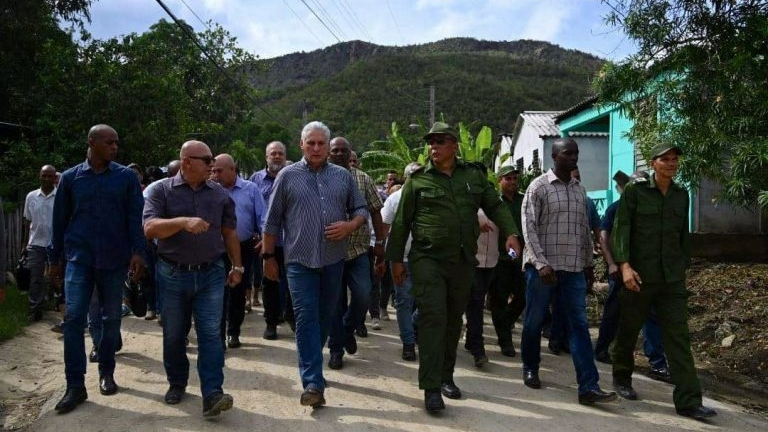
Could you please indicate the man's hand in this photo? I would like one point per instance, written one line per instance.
(613, 271)
(399, 274)
(514, 243)
(630, 277)
(378, 252)
(233, 278)
(547, 275)
(196, 225)
(271, 271)
(339, 230)
(136, 267)
(380, 267)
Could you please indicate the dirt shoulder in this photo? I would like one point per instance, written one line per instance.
(376, 391)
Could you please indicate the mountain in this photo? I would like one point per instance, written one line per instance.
(358, 89)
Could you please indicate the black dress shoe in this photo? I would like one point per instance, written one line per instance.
(698, 412)
(214, 404)
(433, 401)
(336, 361)
(596, 396)
(409, 352)
(603, 357)
(660, 374)
(270, 333)
(312, 397)
(449, 390)
(625, 391)
(362, 330)
(554, 347)
(174, 394)
(350, 346)
(480, 360)
(72, 398)
(93, 357)
(233, 341)
(107, 385)
(531, 379)
(508, 351)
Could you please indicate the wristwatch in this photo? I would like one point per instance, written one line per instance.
(267, 256)
(379, 243)
(239, 269)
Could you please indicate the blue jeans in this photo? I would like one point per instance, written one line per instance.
(404, 302)
(571, 288)
(357, 276)
(198, 293)
(79, 283)
(315, 294)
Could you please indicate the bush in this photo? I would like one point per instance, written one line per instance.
(13, 313)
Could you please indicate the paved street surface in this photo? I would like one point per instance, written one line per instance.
(375, 391)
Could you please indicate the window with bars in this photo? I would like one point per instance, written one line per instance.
(520, 165)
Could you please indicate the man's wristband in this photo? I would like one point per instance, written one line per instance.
(239, 269)
(379, 243)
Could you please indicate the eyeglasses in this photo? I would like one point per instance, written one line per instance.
(439, 141)
(206, 159)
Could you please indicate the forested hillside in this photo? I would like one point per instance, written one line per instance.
(360, 88)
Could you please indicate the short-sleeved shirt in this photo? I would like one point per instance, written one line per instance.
(360, 239)
(304, 201)
(172, 198)
(249, 208)
(38, 210)
(388, 216)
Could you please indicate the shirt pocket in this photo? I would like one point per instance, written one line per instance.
(648, 218)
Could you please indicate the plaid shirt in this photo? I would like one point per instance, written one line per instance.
(556, 225)
(360, 240)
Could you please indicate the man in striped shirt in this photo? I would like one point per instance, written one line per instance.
(316, 205)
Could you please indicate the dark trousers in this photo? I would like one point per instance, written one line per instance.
(484, 278)
(381, 290)
(272, 297)
(234, 298)
(504, 313)
(671, 303)
(442, 292)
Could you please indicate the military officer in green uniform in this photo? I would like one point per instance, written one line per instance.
(438, 207)
(650, 241)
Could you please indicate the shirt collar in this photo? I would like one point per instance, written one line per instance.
(40, 193)
(88, 167)
(552, 177)
(430, 166)
(178, 180)
(304, 164)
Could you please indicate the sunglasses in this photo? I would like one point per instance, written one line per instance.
(206, 159)
(439, 141)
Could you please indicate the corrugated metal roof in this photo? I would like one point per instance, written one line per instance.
(587, 102)
(543, 122)
(588, 134)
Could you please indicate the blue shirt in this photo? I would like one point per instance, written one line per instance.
(97, 217)
(303, 203)
(249, 208)
(594, 217)
(610, 213)
(264, 182)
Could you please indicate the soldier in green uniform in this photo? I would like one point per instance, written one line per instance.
(438, 206)
(509, 271)
(650, 241)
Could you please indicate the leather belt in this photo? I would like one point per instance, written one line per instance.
(187, 267)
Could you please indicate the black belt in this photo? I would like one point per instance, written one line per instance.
(187, 267)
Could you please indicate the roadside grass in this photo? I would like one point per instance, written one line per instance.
(13, 313)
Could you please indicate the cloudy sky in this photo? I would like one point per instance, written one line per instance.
(270, 28)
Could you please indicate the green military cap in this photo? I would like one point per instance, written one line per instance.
(507, 169)
(621, 178)
(661, 148)
(440, 128)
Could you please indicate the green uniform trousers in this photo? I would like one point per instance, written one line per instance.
(441, 290)
(671, 303)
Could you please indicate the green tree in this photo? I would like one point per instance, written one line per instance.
(698, 80)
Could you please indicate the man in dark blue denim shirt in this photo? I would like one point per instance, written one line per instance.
(97, 230)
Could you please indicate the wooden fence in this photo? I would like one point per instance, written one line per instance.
(14, 238)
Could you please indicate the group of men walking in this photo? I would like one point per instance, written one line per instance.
(308, 221)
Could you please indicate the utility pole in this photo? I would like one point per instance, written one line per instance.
(431, 105)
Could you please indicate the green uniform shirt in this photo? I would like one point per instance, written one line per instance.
(650, 231)
(440, 211)
(515, 206)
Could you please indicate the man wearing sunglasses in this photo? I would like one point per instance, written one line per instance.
(438, 206)
(194, 220)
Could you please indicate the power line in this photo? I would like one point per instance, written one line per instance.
(344, 6)
(303, 23)
(321, 21)
(397, 27)
(216, 64)
(330, 19)
(195, 14)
